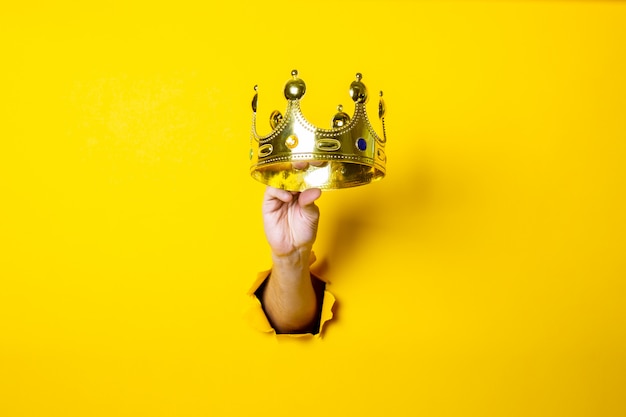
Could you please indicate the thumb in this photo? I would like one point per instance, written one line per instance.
(308, 197)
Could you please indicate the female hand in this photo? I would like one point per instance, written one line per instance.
(290, 220)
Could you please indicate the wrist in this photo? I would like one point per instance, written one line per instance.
(298, 258)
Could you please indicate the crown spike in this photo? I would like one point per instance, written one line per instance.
(381, 106)
(255, 99)
(340, 119)
(295, 88)
(358, 91)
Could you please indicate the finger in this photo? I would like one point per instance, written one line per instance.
(308, 197)
(275, 193)
(312, 258)
(300, 165)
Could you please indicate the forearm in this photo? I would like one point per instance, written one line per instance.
(289, 298)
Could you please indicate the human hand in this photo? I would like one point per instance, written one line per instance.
(290, 220)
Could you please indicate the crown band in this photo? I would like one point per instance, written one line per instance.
(297, 155)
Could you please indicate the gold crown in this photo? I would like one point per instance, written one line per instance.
(297, 155)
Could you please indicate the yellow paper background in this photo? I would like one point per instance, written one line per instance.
(484, 276)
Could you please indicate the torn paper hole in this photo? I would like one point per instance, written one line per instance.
(258, 320)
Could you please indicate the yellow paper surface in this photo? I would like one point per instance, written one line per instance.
(484, 276)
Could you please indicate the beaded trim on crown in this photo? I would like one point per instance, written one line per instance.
(297, 155)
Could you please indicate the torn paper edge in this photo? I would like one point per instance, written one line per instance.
(256, 318)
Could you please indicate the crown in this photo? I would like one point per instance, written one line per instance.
(297, 155)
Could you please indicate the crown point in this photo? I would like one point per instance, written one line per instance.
(380, 94)
(358, 91)
(255, 100)
(340, 119)
(295, 88)
(381, 106)
(256, 87)
(359, 76)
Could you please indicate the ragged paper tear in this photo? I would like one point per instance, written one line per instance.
(256, 318)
